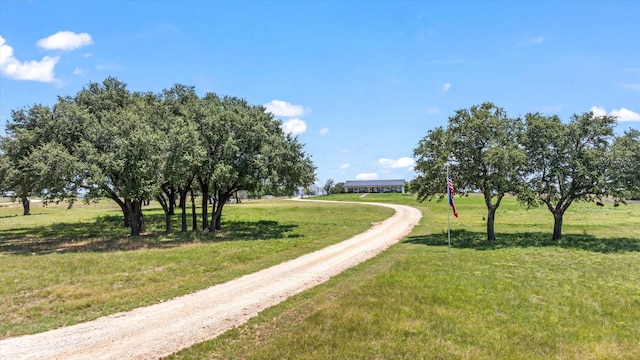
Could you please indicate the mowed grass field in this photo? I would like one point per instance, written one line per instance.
(59, 267)
(521, 297)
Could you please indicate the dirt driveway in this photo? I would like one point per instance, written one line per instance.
(162, 329)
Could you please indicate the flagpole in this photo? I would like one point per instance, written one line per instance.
(448, 211)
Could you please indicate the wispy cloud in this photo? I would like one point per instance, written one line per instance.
(65, 40)
(537, 40)
(344, 166)
(446, 87)
(630, 86)
(13, 68)
(623, 114)
(432, 110)
(109, 67)
(324, 131)
(283, 108)
(403, 162)
(294, 126)
(367, 176)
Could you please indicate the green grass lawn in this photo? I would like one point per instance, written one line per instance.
(522, 297)
(60, 267)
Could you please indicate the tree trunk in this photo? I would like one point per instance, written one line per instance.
(136, 219)
(217, 224)
(183, 209)
(557, 225)
(167, 223)
(194, 218)
(218, 216)
(204, 188)
(172, 200)
(125, 212)
(167, 216)
(212, 224)
(491, 216)
(26, 206)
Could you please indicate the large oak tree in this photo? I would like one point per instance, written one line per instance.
(567, 162)
(480, 145)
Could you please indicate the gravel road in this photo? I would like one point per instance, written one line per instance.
(159, 330)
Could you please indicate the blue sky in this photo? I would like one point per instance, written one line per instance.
(360, 82)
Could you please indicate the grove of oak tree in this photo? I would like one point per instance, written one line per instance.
(541, 160)
(132, 147)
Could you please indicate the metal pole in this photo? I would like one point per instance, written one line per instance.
(448, 210)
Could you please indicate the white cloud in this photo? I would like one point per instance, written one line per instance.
(367, 176)
(598, 111)
(77, 71)
(65, 40)
(28, 70)
(631, 86)
(623, 114)
(537, 40)
(294, 126)
(324, 131)
(446, 87)
(403, 162)
(283, 108)
(344, 166)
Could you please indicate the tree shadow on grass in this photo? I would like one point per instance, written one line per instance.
(107, 233)
(478, 240)
(255, 230)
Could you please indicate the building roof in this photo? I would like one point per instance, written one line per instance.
(367, 183)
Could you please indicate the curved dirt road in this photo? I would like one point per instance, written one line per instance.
(162, 329)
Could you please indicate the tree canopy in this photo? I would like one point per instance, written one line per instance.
(542, 160)
(624, 163)
(566, 162)
(480, 146)
(107, 141)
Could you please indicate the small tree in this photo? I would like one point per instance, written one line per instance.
(624, 169)
(27, 131)
(329, 186)
(5, 167)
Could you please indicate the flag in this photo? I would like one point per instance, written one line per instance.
(451, 194)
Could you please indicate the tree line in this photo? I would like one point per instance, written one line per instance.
(538, 158)
(130, 147)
